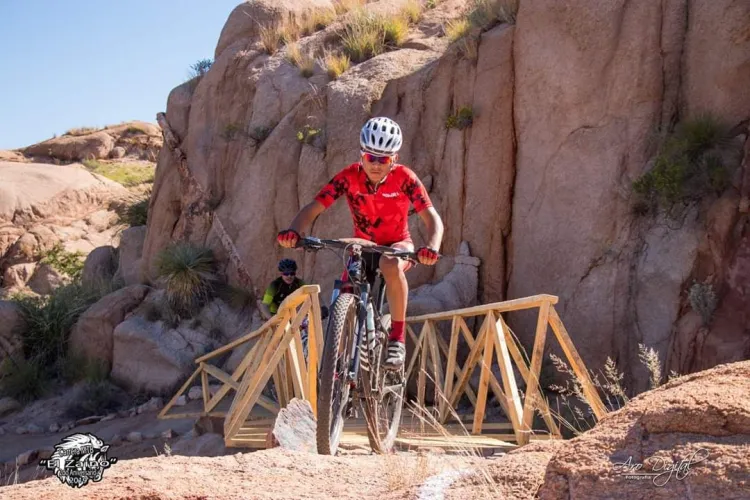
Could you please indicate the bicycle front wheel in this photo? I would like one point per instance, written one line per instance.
(334, 386)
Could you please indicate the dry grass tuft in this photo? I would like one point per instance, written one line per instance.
(335, 64)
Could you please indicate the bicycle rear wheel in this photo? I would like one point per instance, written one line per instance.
(383, 397)
(334, 386)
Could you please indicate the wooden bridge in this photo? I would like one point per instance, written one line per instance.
(274, 358)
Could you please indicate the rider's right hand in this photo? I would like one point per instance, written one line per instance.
(288, 238)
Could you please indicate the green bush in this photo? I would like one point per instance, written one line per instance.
(68, 263)
(201, 67)
(461, 119)
(189, 273)
(693, 162)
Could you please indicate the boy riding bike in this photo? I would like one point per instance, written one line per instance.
(379, 192)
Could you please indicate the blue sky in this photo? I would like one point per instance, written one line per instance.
(74, 63)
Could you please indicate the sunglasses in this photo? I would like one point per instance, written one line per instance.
(289, 274)
(383, 160)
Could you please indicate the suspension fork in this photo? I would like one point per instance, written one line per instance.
(361, 329)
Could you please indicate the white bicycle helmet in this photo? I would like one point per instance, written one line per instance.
(381, 136)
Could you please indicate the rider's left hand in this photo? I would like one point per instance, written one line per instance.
(427, 256)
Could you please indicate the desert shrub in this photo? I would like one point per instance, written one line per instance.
(703, 300)
(695, 161)
(189, 275)
(461, 119)
(68, 263)
(200, 67)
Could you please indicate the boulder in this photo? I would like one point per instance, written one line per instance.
(101, 220)
(294, 428)
(100, 266)
(92, 335)
(8, 406)
(149, 356)
(205, 445)
(692, 433)
(130, 251)
(46, 279)
(74, 148)
(34, 191)
(117, 152)
(16, 276)
(247, 18)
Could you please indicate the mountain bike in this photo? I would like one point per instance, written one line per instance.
(351, 369)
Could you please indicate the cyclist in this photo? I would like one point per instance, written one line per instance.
(280, 288)
(379, 191)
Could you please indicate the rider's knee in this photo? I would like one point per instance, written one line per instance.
(389, 265)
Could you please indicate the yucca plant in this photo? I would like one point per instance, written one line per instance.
(189, 275)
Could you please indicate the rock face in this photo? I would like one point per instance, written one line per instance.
(151, 354)
(702, 418)
(92, 335)
(130, 251)
(563, 104)
(43, 205)
(32, 191)
(133, 138)
(10, 323)
(100, 266)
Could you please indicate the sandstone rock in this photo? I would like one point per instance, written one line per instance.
(9, 234)
(294, 428)
(54, 427)
(701, 417)
(134, 437)
(195, 392)
(206, 445)
(6, 155)
(92, 335)
(147, 355)
(46, 279)
(101, 220)
(711, 84)
(247, 18)
(11, 323)
(8, 406)
(100, 266)
(168, 434)
(32, 191)
(16, 276)
(117, 152)
(181, 401)
(27, 457)
(89, 420)
(45, 453)
(74, 148)
(154, 404)
(109, 417)
(130, 251)
(34, 429)
(116, 440)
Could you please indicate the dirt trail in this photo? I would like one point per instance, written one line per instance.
(271, 474)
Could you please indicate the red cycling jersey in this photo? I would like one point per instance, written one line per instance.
(380, 215)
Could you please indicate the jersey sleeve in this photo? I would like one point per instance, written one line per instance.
(334, 189)
(415, 190)
(269, 294)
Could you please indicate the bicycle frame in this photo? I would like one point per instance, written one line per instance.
(362, 289)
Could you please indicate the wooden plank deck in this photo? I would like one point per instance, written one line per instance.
(413, 435)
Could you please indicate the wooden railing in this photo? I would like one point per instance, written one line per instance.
(276, 355)
(494, 340)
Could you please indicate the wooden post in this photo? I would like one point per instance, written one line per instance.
(449, 376)
(532, 381)
(579, 368)
(509, 380)
(484, 380)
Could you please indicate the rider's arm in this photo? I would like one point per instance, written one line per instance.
(265, 312)
(264, 309)
(434, 224)
(304, 219)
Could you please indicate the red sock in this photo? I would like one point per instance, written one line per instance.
(397, 332)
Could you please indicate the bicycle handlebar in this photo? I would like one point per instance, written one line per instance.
(310, 243)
